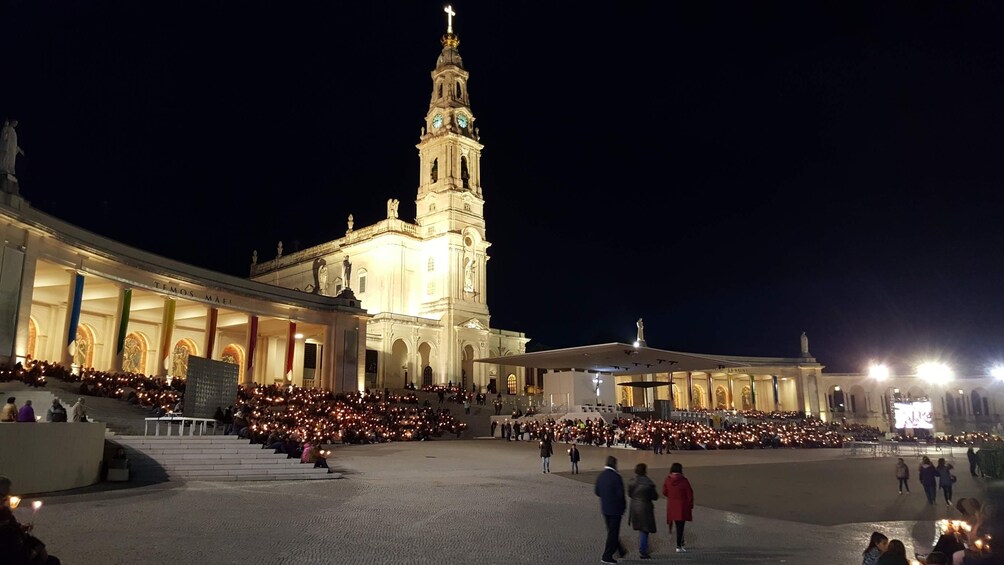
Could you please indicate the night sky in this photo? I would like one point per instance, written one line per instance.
(734, 173)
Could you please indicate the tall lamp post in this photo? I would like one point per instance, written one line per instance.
(880, 372)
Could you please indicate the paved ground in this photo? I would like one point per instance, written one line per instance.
(486, 502)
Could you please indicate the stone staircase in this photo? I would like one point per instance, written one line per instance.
(211, 458)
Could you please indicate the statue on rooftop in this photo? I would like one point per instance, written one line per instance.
(9, 149)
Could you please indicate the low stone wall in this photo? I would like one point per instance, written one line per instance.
(46, 457)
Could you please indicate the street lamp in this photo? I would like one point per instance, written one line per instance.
(878, 371)
(997, 371)
(935, 373)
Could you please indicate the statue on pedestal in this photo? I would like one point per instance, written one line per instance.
(641, 332)
(805, 345)
(9, 149)
(392, 205)
(347, 271)
(352, 222)
(278, 251)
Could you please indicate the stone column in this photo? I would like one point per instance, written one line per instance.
(732, 395)
(287, 370)
(27, 286)
(711, 391)
(212, 319)
(690, 390)
(252, 335)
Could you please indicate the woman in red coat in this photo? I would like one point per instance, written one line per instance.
(679, 502)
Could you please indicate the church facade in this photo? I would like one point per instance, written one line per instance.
(424, 283)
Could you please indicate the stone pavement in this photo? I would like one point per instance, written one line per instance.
(486, 502)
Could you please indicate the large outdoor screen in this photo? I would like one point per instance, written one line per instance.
(916, 415)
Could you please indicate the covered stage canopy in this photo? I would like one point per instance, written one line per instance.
(615, 359)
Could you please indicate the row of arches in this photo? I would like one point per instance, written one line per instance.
(135, 351)
(953, 403)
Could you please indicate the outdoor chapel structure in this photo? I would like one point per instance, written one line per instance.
(386, 305)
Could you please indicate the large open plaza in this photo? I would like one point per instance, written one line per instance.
(486, 501)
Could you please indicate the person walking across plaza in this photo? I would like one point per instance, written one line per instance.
(610, 489)
(946, 478)
(641, 516)
(928, 476)
(679, 502)
(973, 464)
(573, 455)
(546, 450)
(903, 476)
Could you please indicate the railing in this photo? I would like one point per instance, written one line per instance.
(899, 449)
(199, 423)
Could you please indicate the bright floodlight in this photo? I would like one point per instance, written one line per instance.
(934, 372)
(997, 371)
(879, 372)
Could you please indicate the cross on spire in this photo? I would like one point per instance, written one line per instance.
(449, 18)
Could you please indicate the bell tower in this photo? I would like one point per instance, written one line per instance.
(449, 185)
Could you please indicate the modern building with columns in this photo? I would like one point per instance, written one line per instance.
(424, 282)
(73, 297)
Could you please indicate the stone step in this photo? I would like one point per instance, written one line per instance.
(259, 477)
(231, 466)
(184, 439)
(277, 472)
(250, 451)
(195, 457)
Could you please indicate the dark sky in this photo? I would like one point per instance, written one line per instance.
(734, 173)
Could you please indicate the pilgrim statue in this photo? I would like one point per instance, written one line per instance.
(392, 205)
(641, 331)
(9, 149)
(320, 276)
(347, 271)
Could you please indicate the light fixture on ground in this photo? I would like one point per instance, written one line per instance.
(935, 372)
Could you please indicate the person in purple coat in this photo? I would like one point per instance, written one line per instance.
(27, 413)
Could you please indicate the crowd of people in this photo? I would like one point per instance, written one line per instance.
(963, 541)
(666, 435)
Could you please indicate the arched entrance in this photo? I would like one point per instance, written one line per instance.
(467, 367)
(234, 354)
(179, 357)
(84, 355)
(425, 358)
(697, 397)
(511, 384)
(398, 366)
(721, 398)
(134, 353)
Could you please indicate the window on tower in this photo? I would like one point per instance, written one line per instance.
(362, 282)
(460, 93)
(464, 174)
(440, 95)
(435, 170)
(432, 264)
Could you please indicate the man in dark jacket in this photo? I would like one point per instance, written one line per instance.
(546, 450)
(610, 489)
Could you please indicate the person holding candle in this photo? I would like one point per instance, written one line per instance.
(546, 450)
(19, 545)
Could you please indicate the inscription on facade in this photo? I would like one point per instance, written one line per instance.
(178, 290)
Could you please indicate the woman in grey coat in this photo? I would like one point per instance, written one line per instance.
(641, 514)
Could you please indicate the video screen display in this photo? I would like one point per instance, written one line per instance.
(916, 415)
